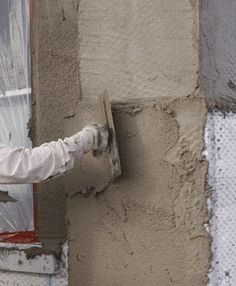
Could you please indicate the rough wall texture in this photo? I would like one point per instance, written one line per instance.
(147, 228)
(138, 49)
(56, 92)
(218, 51)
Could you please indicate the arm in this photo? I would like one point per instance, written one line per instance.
(18, 166)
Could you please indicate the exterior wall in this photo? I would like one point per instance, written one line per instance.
(217, 70)
(56, 92)
(148, 227)
(137, 49)
(218, 50)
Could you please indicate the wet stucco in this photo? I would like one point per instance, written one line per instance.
(148, 227)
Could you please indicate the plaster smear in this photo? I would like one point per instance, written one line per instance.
(133, 49)
(148, 227)
(138, 49)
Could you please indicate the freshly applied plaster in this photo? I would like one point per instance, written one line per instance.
(55, 95)
(148, 227)
(138, 49)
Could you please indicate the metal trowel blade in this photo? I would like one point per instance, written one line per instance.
(113, 146)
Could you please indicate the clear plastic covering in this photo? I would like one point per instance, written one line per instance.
(15, 111)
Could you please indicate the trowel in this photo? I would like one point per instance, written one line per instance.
(107, 118)
(90, 174)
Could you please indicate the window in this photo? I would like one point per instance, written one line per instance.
(17, 219)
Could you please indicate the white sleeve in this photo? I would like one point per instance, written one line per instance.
(23, 165)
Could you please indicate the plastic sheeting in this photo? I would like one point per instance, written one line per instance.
(15, 106)
(221, 154)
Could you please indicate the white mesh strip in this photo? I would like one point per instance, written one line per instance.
(221, 153)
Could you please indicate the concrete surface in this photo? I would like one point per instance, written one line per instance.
(218, 50)
(55, 95)
(147, 228)
(138, 49)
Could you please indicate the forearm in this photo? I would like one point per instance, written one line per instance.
(52, 159)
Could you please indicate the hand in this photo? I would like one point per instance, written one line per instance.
(100, 138)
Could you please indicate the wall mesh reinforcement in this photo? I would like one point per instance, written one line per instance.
(221, 153)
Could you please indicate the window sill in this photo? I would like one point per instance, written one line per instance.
(13, 258)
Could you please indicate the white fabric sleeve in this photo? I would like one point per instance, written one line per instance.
(23, 165)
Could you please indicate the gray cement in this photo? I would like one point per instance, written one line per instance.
(218, 50)
(138, 49)
(56, 91)
(146, 228)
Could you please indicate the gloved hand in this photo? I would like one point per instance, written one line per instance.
(100, 138)
(93, 137)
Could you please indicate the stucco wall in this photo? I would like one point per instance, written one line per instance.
(138, 49)
(55, 95)
(147, 228)
(218, 50)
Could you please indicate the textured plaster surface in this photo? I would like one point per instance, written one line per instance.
(56, 92)
(218, 49)
(138, 49)
(148, 227)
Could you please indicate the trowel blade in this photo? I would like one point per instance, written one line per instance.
(113, 146)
